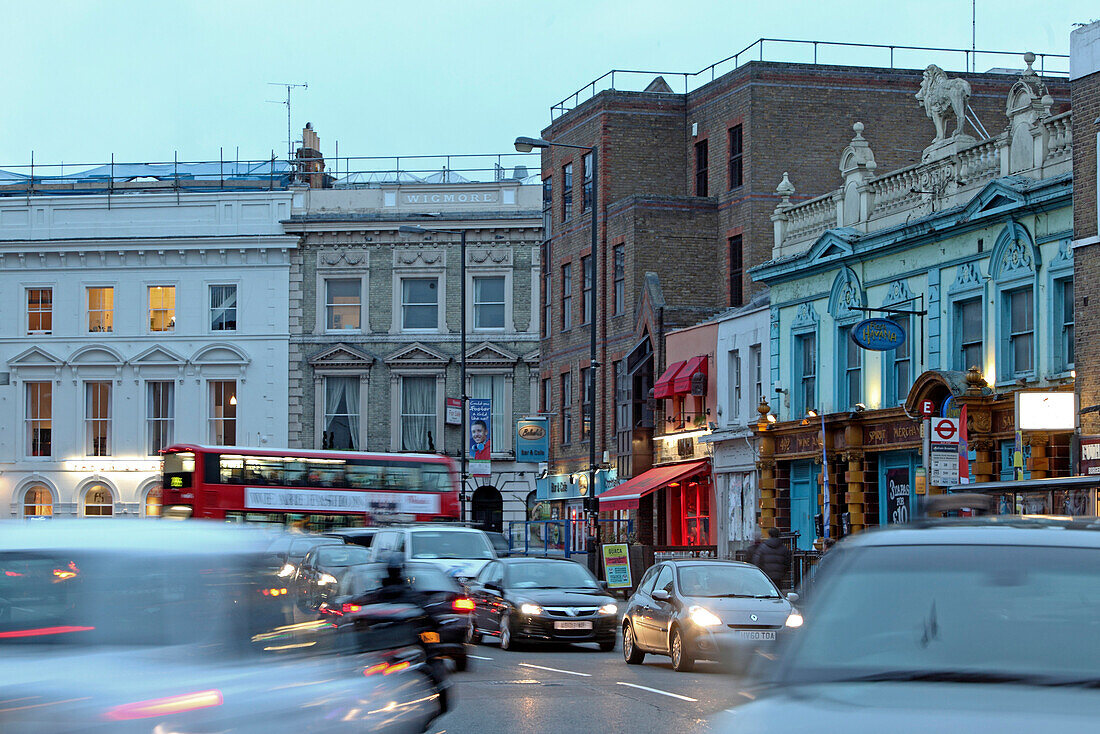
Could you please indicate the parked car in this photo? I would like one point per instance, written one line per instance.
(716, 610)
(541, 599)
(500, 544)
(121, 627)
(320, 571)
(288, 550)
(358, 536)
(460, 551)
(943, 626)
(441, 597)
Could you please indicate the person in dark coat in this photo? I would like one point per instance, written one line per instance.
(773, 558)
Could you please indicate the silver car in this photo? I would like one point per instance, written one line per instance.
(975, 625)
(714, 610)
(127, 626)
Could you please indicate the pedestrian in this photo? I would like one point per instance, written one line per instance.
(757, 539)
(773, 558)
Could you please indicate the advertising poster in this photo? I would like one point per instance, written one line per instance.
(532, 440)
(616, 565)
(898, 493)
(481, 430)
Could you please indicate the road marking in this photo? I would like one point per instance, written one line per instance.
(663, 693)
(555, 670)
(477, 657)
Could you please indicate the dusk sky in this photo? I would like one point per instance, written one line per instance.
(144, 80)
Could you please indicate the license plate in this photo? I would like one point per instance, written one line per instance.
(756, 635)
(429, 637)
(572, 625)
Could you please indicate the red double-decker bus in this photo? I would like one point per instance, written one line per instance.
(314, 490)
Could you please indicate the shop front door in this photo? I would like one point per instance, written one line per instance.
(803, 502)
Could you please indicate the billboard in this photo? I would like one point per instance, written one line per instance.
(481, 431)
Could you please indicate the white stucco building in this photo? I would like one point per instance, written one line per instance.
(132, 321)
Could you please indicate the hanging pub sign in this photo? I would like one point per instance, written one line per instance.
(878, 334)
(532, 440)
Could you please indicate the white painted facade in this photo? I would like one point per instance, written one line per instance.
(741, 374)
(78, 388)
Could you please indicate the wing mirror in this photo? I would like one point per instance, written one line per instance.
(661, 595)
(792, 597)
(492, 586)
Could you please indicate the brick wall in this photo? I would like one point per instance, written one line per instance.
(1086, 257)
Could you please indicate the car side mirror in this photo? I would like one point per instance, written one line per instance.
(493, 586)
(661, 595)
(792, 597)
(604, 586)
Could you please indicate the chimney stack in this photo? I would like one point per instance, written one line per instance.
(311, 163)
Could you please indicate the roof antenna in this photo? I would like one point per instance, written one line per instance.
(289, 134)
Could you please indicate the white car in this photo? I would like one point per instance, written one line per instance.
(459, 551)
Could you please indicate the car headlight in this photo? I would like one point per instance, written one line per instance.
(287, 570)
(608, 609)
(326, 578)
(530, 609)
(703, 617)
(794, 619)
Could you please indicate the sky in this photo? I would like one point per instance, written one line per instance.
(146, 81)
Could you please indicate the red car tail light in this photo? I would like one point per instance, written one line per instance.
(462, 604)
(348, 608)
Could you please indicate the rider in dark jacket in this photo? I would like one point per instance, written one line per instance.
(773, 558)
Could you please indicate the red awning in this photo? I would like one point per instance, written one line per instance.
(663, 388)
(682, 382)
(627, 494)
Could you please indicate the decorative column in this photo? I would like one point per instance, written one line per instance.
(980, 425)
(1039, 463)
(766, 466)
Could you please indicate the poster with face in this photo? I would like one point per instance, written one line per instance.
(481, 422)
(899, 489)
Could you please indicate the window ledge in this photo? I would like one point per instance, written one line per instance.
(1063, 375)
(1011, 382)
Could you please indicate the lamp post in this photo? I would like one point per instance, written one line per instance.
(413, 229)
(526, 145)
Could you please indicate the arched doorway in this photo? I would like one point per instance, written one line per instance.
(487, 509)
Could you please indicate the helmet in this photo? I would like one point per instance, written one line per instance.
(395, 569)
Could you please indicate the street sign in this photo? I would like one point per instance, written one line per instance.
(454, 412)
(927, 408)
(945, 430)
(944, 452)
(616, 565)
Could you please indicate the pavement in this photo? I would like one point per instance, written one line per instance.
(572, 688)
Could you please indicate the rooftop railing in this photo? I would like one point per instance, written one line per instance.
(817, 52)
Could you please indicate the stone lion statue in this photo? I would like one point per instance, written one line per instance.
(939, 94)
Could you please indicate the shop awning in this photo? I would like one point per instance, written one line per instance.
(682, 382)
(663, 387)
(627, 494)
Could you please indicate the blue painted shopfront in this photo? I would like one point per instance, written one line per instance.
(803, 495)
(897, 496)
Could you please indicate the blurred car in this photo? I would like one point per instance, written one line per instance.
(120, 626)
(320, 571)
(944, 626)
(441, 597)
(459, 551)
(358, 536)
(715, 610)
(500, 543)
(541, 599)
(288, 550)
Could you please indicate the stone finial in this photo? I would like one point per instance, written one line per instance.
(858, 127)
(858, 155)
(785, 189)
(1029, 59)
(764, 410)
(975, 381)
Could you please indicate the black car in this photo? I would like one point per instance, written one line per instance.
(287, 551)
(319, 573)
(541, 599)
(357, 536)
(438, 594)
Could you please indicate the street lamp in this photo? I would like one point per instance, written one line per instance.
(526, 145)
(413, 229)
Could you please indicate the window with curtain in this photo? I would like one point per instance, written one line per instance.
(97, 418)
(343, 303)
(39, 418)
(162, 308)
(153, 502)
(418, 413)
(223, 412)
(806, 375)
(419, 303)
(160, 414)
(37, 502)
(968, 331)
(1021, 329)
(735, 384)
(494, 388)
(39, 310)
(98, 501)
(851, 365)
(341, 422)
(756, 369)
(901, 376)
(101, 309)
(223, 308)
(489, 302)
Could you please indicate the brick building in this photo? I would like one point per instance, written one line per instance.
(686, 193)
(1085, 96)
(375, 317)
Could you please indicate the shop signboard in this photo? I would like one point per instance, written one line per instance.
(616, 565)
(481, 429)
(1089, 462)
(532, 440)
(899, 492)
(878, 334)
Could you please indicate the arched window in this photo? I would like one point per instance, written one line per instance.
(37, 502)
(152, 502)
(98, 501)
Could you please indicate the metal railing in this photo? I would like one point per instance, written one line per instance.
(811, 52)
(561, 537)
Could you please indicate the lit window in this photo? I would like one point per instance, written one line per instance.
(37, 502)
(101, 309)
(159, 415)
(223, 412)
(343, 303)
(98, 501)
(97, 418)
(162, 308)
(39, 414)
(39, 310)
(153, 502)
(223, 308)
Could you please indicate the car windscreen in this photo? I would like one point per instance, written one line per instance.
(725, 581)
(932, 611)
(465, 544)
(342, 555)
(500, 543)
(549, 575)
